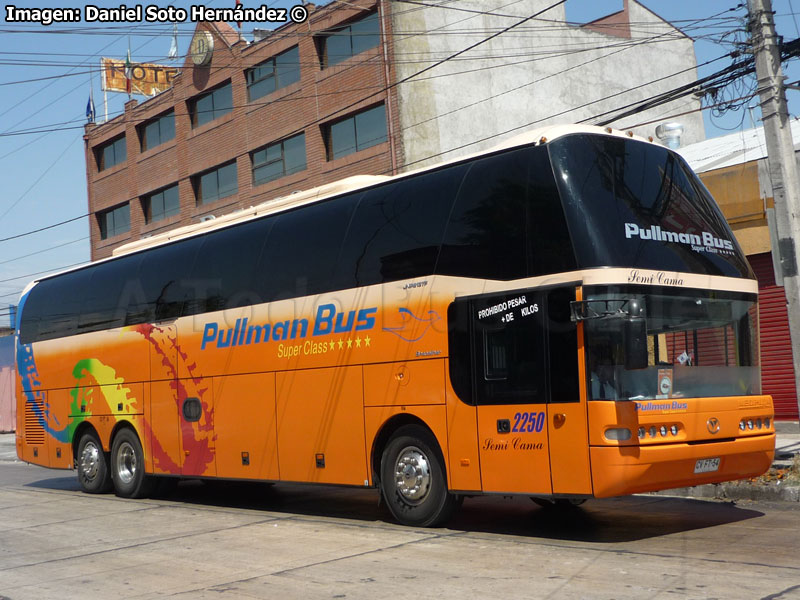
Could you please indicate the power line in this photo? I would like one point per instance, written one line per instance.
(41, 272)
(42, 251)
(45, 172)
(59, 224)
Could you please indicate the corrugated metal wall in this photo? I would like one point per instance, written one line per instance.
(8, 405)
(777, 370)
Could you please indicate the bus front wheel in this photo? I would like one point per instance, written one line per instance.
(127, 466)
(92, 465)
(413, 479)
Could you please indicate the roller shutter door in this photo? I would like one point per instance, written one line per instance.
(777, 370)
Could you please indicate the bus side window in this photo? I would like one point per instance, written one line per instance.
(397, 229)
(460, 349)
(225, 268)
(164, 278)
(301, 253)
(562, 337)
(485, 235)
(53, 307)
(111, 286)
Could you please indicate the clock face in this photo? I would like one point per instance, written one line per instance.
(202, 48)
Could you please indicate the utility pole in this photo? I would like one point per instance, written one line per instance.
(781, 161)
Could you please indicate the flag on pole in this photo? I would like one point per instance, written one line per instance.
(239, 23)
(128, 72)
(173, 47)
(90, 107)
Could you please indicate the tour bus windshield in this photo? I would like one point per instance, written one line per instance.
(633, 204)
(699, 344)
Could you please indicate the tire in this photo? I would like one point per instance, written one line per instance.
(127, 466)
(413, 479)
(92, 465)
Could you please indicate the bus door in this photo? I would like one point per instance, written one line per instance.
(509, 367)
(566, 411)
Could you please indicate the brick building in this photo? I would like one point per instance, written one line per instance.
(246, 123)
(307, 104)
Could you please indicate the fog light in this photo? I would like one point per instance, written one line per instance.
(742, 425)
(749, 423)
(758, 423)
(641, 432)
(618, 434)
(766, 423)
(652, 432)
(673, 430)
(663, 431)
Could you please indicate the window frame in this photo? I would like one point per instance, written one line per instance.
(274, 62)
(330, 128)
(281, 159)
(114, 144)
(147, 204)
(197, 183)
(215, 112)
(346, 30)
(143, 138)
(102, 221)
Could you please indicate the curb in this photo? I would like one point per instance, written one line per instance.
(738, 490)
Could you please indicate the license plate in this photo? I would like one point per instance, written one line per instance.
(706, 465)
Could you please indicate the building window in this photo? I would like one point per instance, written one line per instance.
(277, 160)
(162, 204)
(111, 153)
(157, 131)
(212, 105)
(216, 184)
(114, 221)
(357, 132)
(340, 44)
(273, 74)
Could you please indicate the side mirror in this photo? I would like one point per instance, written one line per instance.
(635, 335)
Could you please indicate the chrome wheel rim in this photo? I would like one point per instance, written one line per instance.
(412, 475)
(126, 463)
(90, 461)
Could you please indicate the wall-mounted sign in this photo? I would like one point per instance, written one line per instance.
(146, 78)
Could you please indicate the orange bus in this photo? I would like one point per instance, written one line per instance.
(567, 316)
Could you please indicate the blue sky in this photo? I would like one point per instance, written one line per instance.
(45, 78)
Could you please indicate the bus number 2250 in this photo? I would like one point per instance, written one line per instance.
(528, 422)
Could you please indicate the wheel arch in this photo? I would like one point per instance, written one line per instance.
(119, 426)
(80, 431)
(385, 433)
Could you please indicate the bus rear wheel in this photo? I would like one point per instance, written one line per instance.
(413, 479)
(92, 465)
(127, 466)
